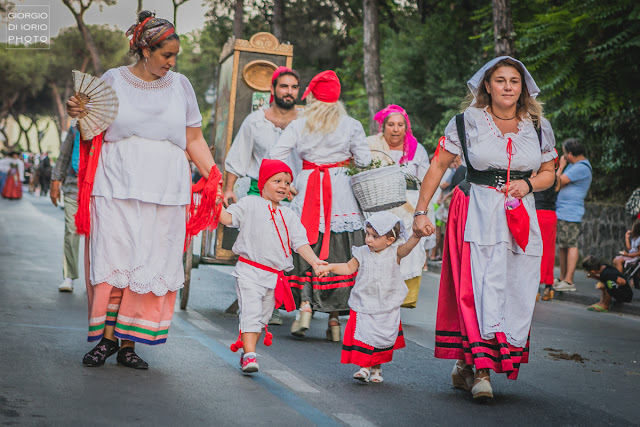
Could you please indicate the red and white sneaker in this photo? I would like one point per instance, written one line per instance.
(249, 365)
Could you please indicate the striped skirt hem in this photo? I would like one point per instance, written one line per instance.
(143, 318)
(361, 354)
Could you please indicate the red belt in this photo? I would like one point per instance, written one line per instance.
(282, 291)
(311, 209)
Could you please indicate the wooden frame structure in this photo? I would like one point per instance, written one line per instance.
(244, 77)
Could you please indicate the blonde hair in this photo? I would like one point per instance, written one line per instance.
(322, 117)
(526, 103)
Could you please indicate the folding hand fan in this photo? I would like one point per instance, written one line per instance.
(100, 104)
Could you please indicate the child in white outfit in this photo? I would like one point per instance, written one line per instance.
(268, 233)
(374, 330)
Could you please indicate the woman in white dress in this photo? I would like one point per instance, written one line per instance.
(395, 143)
(490, 276)
(325, 138)
(141, 191)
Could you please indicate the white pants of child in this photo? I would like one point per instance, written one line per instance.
(256, 305)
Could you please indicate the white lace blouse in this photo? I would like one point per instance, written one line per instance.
(143, 155)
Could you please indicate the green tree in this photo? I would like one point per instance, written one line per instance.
(585, 56)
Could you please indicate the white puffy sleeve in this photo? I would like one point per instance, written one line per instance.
(548, 147)
(240, 154)
(358, 144)
(194, 118)
(356, 251)
(452, 142)
(238, 212)
(421, 159)
(108, 77)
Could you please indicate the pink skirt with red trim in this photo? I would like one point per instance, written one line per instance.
(457, 331)
(361, 354)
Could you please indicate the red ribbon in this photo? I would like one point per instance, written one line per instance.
(282, 291)
(518, 218)
(440, 145)
(311, 210)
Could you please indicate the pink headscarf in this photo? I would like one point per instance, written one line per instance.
(410, 141)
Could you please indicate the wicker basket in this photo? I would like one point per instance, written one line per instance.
(380, 189)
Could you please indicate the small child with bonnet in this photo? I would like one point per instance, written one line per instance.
(374, 329)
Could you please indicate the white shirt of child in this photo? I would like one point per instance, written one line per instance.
(258, 239)
(379, 286)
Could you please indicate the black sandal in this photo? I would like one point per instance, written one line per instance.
(100, 353)
(128, 357)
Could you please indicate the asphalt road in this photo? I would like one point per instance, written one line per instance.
(584, 367)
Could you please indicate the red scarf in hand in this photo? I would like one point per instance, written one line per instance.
(203, 212)
(89, 156)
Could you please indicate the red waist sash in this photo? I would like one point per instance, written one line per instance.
(282, 291)
(311, 210)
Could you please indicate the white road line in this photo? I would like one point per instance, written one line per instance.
(200, 321)
(291, 381)
(354, 420)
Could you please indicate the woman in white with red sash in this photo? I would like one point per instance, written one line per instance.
(325, 138)
(491, 265)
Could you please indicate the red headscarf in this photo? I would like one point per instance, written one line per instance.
(270, 167)
(277, 73)
(410, 141)
(325, 86)
(150, 32)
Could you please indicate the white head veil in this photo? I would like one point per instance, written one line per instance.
(477, 78)
(384, 221)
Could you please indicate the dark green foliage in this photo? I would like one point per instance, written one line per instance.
(585, 56)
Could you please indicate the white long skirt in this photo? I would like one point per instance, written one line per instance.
(137, 245)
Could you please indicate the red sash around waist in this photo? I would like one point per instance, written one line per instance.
(311, 210)
(282, 291)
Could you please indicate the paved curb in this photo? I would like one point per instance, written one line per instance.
(615, 307)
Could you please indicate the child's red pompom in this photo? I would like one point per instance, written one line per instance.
(233, 347)
(268, 337)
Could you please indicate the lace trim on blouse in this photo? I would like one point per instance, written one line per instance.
(135, 81)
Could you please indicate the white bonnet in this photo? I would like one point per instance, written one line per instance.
(384, 221)
(475, 81)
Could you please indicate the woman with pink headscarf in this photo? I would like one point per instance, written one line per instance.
(395, 142)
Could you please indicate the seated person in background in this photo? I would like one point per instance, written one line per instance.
(632, 247)
(611, 283)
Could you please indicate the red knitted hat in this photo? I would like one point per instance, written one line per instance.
(270, 167)
(325, 86)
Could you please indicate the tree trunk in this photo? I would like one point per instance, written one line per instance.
(86, 35)
(238, 24)
(277, 24)
(371, 48)
(503, 35)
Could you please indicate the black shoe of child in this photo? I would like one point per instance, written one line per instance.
(128, 357)
(100, 353)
